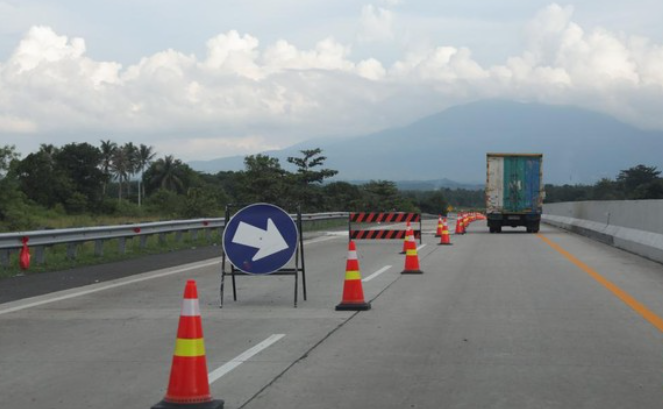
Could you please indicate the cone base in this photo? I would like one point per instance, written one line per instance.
(412, 272)
(445, 244)
(214, 404)
(354, 307)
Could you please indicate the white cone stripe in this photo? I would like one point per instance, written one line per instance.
(190, 308)
(352, 255)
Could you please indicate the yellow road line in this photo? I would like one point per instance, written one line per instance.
(645, 312)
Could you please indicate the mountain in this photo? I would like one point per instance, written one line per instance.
(579, 146)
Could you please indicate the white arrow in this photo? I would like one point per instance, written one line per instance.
(267, 241)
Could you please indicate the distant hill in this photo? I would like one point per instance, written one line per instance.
(579, 146)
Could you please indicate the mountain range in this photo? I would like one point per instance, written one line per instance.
(449, 148)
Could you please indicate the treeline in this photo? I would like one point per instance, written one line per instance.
(636, 183)
(127, 180)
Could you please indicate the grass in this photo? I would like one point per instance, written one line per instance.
(56, 256)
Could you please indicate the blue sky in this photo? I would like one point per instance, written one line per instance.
(205, 79)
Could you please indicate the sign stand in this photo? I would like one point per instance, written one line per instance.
(234, 272)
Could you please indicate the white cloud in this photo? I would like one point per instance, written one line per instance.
(376, 24)
(242, 96)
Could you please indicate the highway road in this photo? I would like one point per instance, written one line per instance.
(512, 320)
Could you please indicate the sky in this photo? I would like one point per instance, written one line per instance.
(203, 79)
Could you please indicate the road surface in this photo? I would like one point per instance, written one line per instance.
(511, 320)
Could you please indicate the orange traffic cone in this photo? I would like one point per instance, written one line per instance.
(188, 385)
(444, 238)
(466, 222)
(408, 232)
(411, 258)
(353, 292)
(439, 227)
(459, 224)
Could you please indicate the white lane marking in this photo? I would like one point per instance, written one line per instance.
(377, 273)
(421, 247)
(320, 240)
(96, 289)
(241, 358)
(115, 283)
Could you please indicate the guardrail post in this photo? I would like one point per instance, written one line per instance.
(40, 255)
(194, 235)
(122, 245)
(162, 238)
(72, 250)
(208, 234)
(143, 241)
(178, 236)
(4, 257)
(99, 248)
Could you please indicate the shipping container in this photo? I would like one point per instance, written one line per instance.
(514, 190)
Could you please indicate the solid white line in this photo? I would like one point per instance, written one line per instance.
(421, 247)
(377, 273)
(115, 283)
(320, 240)
(241, 358)
(121, 283)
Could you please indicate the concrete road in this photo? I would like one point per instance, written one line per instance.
(510, 320)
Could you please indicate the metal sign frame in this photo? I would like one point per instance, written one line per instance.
(233, 272)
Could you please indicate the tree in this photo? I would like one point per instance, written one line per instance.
(342, 196)
(80, 163)
(312, 158)
(635, 177)
(41, 180)
(384, 196)
(13, 206)
(144, 157)
(121, 168)
(107, 150)
(264, 180)
(168, 173)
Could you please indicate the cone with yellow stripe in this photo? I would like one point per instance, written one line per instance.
(353, 292)
(459, 224)
(189, 386)
(438, 233)
(444, 238)
(408, 232)
(411, 258)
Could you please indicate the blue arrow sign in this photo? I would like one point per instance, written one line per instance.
(260, 239)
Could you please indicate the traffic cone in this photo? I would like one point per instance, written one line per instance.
(353, 292)
(466, 222)
(459, 224)
(188, 386)
(408, 233)
(444, 238)
(439, 227)
(411, 258)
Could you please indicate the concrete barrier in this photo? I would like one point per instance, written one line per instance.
(632, 225)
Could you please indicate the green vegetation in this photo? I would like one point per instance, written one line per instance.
(636, 183)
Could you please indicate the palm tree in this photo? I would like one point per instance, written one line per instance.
(144, 157)
(108, 149)
(132, 168)
(121, 167)
(168, 173)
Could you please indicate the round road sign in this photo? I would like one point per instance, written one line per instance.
(260, 239)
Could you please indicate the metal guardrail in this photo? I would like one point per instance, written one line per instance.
(41, 239)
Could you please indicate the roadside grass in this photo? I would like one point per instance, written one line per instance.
(56, 259)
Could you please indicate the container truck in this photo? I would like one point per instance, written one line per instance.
(514, 190)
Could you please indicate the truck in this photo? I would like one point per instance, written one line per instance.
(514, 190)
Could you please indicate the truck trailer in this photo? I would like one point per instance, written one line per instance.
(514, 190)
